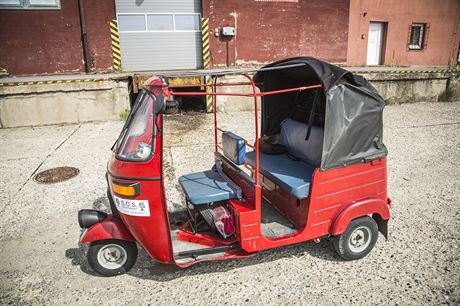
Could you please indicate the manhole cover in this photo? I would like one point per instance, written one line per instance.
(56, 175)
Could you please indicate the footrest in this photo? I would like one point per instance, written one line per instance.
(206, 187)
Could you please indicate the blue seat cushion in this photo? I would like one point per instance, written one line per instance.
(292, 136)
(291, 175)
(206, 187)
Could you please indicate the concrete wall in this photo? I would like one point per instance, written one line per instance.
(31, 105)
(394, 88)
(49, 41)
(409, 88)
(271, 30)
(442, 40)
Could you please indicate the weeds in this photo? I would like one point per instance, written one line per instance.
(124, 114)
(447, 95)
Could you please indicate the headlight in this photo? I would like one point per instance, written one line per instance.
(143, 150)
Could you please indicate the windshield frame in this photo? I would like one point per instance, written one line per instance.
(144, 94)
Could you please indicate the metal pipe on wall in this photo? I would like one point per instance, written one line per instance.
(84, 35)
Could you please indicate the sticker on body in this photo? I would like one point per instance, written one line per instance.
(138, 208)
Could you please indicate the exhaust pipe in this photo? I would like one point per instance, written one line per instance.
(89, 217)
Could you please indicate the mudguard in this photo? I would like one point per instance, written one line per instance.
(109, 228)
(369, 206)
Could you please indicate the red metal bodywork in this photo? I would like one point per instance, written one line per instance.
(109, 228)
(337, 196)
(153, 232)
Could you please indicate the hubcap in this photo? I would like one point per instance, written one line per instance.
(359, 239)
(112, 256)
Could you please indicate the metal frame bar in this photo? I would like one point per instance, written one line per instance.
(208, 85)
(251, 94)
(254, 94)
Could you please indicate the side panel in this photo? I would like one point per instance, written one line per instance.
(109, 228)
(334, 189)
(331, 191)
(151, 232)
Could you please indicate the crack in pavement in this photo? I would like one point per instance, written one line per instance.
(425, 125)
(43, 161)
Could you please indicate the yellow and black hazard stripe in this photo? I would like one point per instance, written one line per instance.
(116, 54)
(55, 82)
(407, 71)
(205, 42)
(206, 59)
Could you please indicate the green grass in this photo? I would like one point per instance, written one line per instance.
(124, 114)
(447, 95)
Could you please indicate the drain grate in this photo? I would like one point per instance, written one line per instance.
(56, 175)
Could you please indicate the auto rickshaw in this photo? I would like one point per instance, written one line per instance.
(316, 170)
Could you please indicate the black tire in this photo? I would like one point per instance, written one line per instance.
(99, 250)
(172, 103)
(172, 107)
(348, 245)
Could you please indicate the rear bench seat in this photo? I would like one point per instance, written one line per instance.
(294, 176)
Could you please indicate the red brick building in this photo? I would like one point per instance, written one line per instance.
(269, 30)
(403, 33)
(44, 37)
(47, 38)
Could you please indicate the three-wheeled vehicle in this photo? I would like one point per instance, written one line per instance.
(316, 170)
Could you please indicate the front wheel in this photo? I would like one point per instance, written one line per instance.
(112, 257)
(358, 239)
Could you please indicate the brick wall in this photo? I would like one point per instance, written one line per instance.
(272, 30)
(49, 41)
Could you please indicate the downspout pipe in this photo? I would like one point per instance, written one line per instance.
(84, 35)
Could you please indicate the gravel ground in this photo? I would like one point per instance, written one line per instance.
(41, 261)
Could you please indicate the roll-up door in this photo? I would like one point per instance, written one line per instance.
(159, 35)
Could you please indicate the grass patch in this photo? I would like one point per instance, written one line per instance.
(447, 95)
(124, 114)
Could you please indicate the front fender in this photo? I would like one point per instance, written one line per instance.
(358, 209)
(109, 228)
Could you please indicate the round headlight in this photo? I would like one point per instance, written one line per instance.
(143, 150)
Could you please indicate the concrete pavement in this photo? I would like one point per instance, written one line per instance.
(42, 263)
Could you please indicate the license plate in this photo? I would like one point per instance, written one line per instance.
(132, 207)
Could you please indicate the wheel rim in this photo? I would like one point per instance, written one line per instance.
(359, 239)
(112, 256)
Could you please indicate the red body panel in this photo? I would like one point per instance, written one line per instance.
(109, 228)
(331, 191)
(151, 232)
(206, 240)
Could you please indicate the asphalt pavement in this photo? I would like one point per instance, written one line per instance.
(41, 261)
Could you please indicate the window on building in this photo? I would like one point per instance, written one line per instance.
(30, 4)
(417, 36)
(188, 22)
(132, 22)
(158, 22)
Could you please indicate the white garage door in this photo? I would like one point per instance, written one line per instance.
(159, 35)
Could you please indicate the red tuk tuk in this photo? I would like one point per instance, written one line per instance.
(317, 169)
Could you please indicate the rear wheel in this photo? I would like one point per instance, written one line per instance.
(358, 239)
(112, 257)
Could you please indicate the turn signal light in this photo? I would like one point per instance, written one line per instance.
(126, 189)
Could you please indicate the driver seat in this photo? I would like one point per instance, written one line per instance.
(213, 185)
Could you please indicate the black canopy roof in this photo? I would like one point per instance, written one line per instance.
(349, 108)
